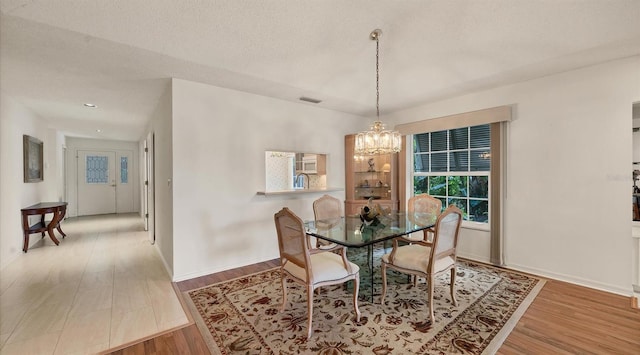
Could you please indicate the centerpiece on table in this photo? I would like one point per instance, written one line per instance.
(369, 215)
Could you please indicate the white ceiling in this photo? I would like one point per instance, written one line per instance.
(56, 55)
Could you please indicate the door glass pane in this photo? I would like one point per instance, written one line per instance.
(124, 170)
(97, 169)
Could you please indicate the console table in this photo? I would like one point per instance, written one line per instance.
(59, 209)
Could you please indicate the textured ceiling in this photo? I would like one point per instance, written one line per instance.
(57, 54)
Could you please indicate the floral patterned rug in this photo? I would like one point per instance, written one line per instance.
(241, 316)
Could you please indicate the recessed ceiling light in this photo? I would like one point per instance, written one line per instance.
(90, 105)
(98, 130)
(310, 99)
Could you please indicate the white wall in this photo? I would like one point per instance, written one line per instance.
(219, 140)
(75, 144)
(162, 214)
(16, 120)
(568, 179)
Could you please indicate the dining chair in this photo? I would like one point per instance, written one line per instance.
(425, 203)
(312, 268)
(427, 259)
(326, 208)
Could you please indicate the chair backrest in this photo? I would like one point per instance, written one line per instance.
(292, 238)
(445, 239)
(424, 203)
(327, 207)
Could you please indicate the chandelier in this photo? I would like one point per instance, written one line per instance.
(377, 140)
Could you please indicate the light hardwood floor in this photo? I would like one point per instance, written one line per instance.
(563, 319)
(102, 287)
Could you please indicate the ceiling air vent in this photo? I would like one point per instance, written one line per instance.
(309, 99)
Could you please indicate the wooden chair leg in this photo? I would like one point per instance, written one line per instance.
(284, 291)
(384, 282)
(309, 310)
(453, 286)
(356, 288)
(430, 296)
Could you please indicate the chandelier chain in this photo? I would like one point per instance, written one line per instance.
(377, 140)
(378, 78)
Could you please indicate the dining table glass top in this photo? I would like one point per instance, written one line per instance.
(351, 231)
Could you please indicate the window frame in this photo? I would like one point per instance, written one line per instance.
(485, 225)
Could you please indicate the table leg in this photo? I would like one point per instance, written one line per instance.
(26, 242)
(63, 212)
(370, 251)
(25, 228)
(54, 222)
(42, 221)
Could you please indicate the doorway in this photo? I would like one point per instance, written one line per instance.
(149, 187)
(105, 183)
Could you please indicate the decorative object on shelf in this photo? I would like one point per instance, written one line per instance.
(372, 165)
(377, 140)
(636, 177)
(386, 168)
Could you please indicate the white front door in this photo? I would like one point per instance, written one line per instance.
(96, 182)
(124, 181)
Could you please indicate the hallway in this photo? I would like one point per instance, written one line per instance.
(102, 287)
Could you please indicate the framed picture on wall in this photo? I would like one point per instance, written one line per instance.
(32, 159)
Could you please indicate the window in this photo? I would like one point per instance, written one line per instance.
(124, 170)
(454, 166)
(97, 169)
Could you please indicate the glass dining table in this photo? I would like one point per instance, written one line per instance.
(356, 234)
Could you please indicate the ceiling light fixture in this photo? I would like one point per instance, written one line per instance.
(377, 140)
(310, 99)
(90, 105)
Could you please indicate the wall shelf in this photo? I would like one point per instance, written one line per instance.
(299, 191)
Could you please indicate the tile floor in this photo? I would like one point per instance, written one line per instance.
(102, 287)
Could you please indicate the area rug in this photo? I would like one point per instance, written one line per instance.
(241, 316)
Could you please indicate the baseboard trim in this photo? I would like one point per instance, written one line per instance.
(193, 275)
(574, 280)
(164, 262)
(472, 257)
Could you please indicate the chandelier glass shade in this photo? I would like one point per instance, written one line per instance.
(377, 140)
